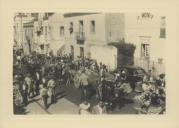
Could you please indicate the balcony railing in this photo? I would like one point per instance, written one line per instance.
(80, 36)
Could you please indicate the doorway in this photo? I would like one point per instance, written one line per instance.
(72, 52)
(80, 26)
(81, 52)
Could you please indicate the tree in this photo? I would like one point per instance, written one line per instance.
(125, 55)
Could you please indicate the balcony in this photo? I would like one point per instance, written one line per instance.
(80, 37)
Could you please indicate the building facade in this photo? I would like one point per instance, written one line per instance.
(28, 33)
(41, 38)
(23, 30)
(89, 35)
(148, 32)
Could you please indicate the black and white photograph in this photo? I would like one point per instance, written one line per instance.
(89, 63)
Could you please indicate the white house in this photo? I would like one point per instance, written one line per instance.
(147, 31)
(88, 35)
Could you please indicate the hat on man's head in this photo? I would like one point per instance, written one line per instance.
(162, 76)
(16, 76)
(117, 74)
(85, 105)
(100, 103)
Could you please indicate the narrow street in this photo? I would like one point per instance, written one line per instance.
(67, 103)
(68, 100)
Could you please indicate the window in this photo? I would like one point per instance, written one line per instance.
(49, 27)
(72, 52)
(145, 50)
(32, 33)
(162, 32)
(42, 47)
(162, 28)
(15, 29)
(163, 21)
(46, 32)
(160, 60)
(81, 52)
(41, 29)
(62, 31)
(71, 27)
(80, 26)
(92, 27)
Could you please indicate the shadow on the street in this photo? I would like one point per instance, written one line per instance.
(57, 98)
(59, 93)
(33, 100)
(61, 96)
(26, 112)
(19, 110)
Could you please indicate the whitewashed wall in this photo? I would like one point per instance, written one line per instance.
(105, 54)
(137, 29)
(56, 41)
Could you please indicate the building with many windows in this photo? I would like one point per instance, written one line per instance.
(28, 36)
(89, 35)
(81, 34)
(24, 31)
(42, 37)
(19, 20)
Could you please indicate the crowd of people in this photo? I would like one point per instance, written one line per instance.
(39, 75)
(151, 99)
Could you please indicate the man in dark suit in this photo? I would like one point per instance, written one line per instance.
(24, 93)
(37, 79)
